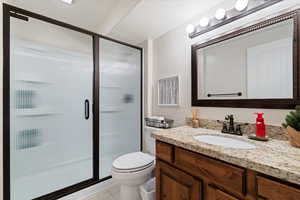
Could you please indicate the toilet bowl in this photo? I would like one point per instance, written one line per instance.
(130, 171)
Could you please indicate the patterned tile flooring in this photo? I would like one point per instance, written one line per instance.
(112, 193)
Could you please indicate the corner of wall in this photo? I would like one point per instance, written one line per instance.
(147, 45)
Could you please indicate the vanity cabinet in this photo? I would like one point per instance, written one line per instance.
(186, 175)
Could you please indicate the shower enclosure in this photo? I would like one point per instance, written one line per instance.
(72, 104)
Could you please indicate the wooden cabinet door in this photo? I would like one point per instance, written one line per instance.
(216, 194)
(272, 190)
(173, 184)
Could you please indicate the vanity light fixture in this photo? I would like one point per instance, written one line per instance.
(67, 1)
(204, 22)
(220, 14)
(190, 28)
(241, 5)
(241, 9)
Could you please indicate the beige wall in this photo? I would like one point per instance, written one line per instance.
(172, 56)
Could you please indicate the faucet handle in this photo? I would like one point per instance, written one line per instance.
(229, 117)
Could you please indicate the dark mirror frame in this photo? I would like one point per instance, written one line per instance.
(253, 103)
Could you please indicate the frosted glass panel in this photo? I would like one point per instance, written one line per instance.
(120, 102)
(51, 76)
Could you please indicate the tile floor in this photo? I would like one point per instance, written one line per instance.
(112, 193)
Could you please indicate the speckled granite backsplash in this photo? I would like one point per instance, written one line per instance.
(275, 132)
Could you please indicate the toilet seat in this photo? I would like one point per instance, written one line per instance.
(133, 170)
(133, 162)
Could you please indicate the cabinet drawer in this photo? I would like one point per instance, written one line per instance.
(164, 151)
(273, 190)
(224, 175)
(224, 196)
(216, 194)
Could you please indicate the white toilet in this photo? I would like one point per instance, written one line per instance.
(133, 169)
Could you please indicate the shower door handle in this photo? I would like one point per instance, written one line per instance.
(86, 109)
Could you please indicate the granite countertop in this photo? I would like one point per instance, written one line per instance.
(275, 158)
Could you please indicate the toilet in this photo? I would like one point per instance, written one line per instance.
(133, 169)
(130, 171)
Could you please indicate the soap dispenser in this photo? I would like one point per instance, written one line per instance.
(260, 126)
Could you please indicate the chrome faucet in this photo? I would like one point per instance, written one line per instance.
(229, 127)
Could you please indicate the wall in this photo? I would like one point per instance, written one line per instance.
(172, 55)
(147, 46)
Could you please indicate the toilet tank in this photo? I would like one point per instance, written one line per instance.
(149, 142)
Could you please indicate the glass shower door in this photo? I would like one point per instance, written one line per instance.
(120, 102)
(51, 123)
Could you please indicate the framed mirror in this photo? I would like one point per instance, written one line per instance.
(255, 67)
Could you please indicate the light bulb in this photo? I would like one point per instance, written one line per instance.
(67, 1)
(204, 22)
(190, 28)
(241, 5)
(220, 14)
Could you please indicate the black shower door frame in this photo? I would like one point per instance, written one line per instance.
(12, 11)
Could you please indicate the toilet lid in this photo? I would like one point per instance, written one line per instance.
(133, 161)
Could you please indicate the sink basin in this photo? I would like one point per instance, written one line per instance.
(225, 141)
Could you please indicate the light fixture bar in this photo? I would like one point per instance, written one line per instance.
(232, 15)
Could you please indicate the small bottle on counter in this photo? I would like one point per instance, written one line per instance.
(260, 133)
(195, 120)
(260, 126)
